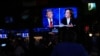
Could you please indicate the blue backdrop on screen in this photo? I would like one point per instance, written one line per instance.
(58, 13)
(55, 13)
(62, 10)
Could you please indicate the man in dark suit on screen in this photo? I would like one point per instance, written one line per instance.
(49, 21)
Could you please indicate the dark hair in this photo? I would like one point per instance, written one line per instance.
(48, 10)
(71, 12)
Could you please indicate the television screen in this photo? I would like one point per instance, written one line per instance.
(3, 36)
(56, 16)
(91, 6)
(25, 35)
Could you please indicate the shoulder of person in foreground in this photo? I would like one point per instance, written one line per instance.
(81, 49)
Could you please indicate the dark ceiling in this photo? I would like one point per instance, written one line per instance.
(16, 8)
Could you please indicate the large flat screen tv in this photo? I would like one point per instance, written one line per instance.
(57, 14)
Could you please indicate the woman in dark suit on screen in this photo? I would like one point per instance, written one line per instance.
(69, 18)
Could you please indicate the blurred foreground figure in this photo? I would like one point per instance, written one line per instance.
(68, 47)
(19, 51)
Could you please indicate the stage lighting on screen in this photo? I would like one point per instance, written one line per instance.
(91, 6)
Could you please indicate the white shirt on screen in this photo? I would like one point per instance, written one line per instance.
(68, 21)
(49, 21)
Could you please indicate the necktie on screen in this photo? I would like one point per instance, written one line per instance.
(51, 24)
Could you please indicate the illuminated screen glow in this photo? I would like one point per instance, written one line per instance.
(91, 6)
(3, 45)
(25, 34)
(3, 35)
(58, 14)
